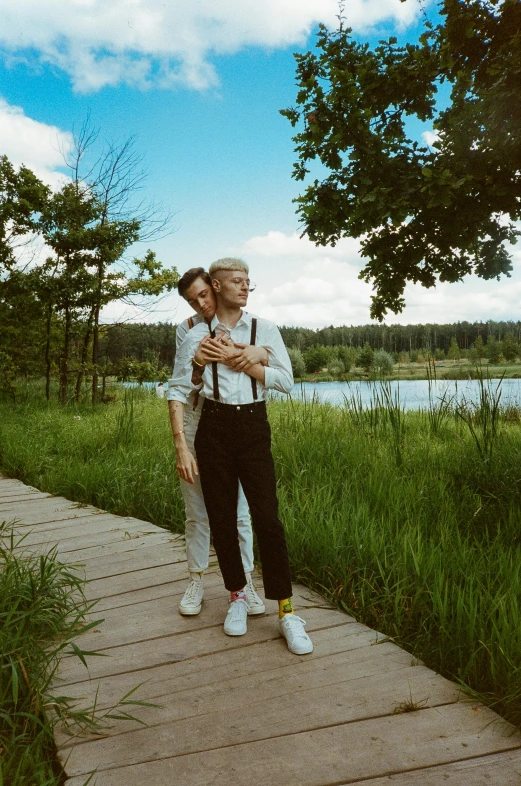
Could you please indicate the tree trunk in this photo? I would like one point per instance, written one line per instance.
(48, 354)
(64, 360)
(103, 383)
(95, 336)
(84, 352)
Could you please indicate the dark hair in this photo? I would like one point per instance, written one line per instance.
(188, 278)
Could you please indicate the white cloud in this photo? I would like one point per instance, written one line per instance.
(142, 42)
(430, 137)
(300, 284)
(38, 146)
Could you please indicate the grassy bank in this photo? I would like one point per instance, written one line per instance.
(410, 521)
(443, 369)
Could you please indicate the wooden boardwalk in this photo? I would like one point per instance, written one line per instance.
(242, 711)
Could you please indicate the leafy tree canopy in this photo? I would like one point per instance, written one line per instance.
(423, 213)
(22, 198)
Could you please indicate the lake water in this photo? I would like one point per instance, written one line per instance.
(413, 394)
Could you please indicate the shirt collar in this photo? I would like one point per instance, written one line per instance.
(245, 319)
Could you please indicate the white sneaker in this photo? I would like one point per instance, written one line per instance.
(292, 628)
(193, 598)
(235, 622)
(255, 604)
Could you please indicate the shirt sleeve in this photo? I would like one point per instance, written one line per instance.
(278, 374)
(180, 384)
(180, 334)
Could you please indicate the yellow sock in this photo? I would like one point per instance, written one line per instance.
(285, 607)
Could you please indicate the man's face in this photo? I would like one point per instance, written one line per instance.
(201, 297)
(232, 287)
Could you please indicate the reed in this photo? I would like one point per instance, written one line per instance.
(42, 609)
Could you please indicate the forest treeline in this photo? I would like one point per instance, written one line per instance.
(146, 351)
(147, 342)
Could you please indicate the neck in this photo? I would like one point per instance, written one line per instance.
(228, 315)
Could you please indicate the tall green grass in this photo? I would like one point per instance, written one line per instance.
(410, 521)
(42, 609)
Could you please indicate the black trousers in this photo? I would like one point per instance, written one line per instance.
(233, 443)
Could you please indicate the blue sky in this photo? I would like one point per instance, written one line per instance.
(199, 84)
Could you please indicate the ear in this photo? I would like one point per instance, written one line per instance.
(216, 285)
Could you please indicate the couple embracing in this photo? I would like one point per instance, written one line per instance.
(226, 361)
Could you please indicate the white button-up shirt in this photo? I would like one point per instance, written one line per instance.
(234, 386)
(184, 328)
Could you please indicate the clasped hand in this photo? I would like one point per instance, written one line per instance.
(222, 349)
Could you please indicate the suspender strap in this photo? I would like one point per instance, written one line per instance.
(252, 341)
(196, 394)
(215, 375)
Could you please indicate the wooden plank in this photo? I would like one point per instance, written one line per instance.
(37, 517)
(43, 507)
(172, 647)
(499, 769)
(129, 554)
(125, 584)
(84, 541)
(96, 525)
(338, 754)
(353, 641)
(173, 587)
(114, 586)
(20, 491)
(160, 616)
(6, 482)
(345, 686)
(289, 711)
(28, 498)
(59, 526)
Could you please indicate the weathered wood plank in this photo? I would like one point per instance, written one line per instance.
(42, 509)
(126, 583)
(29, 498)
(129, 555)
(100, 530)
(77, 543)
(343, 753)
(61, 525)
(345, 686)
(353, 641)
(16, 491)
(158, 617)
(187, 644)
(288, 709)
(29, 519)
(498, 769)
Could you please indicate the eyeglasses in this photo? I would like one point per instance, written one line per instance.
(239, 282)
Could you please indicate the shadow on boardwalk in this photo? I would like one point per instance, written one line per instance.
(239, 711)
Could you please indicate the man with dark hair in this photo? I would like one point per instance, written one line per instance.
(233, 444)
(195, 287)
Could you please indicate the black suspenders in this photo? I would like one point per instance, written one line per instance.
(215, 375)
(252, 341)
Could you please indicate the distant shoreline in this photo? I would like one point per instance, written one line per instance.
(443, 369)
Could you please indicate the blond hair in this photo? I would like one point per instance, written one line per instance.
(228, 263)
